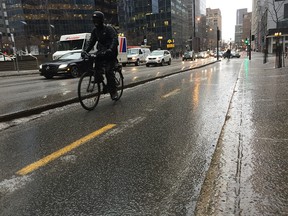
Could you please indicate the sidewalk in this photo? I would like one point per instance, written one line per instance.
(18, 73)
(249, 170)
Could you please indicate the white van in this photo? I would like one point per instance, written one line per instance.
(137, 55)
(71, 43)
(77, 42)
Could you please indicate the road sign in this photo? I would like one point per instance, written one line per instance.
(170, 45)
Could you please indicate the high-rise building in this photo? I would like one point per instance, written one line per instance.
(196, 23)
(37, 25)
(154, 22)
(4, 42)
(259, 24)
(214, 21)
(239, 27)
(247, 19)
(239, 15)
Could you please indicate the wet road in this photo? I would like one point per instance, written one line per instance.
(22, 93)
(150, 158)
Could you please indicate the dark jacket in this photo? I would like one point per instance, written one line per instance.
(107, 39)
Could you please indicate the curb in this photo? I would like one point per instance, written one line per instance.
(18, 74)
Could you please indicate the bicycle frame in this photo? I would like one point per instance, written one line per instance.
(92, 83)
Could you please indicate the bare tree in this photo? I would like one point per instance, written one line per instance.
(273, 8)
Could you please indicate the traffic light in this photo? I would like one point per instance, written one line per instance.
(218, 35)
(246, 41)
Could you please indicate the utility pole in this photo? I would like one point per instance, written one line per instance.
(51, 36)
(218, 38)
(194, 28)
(249, 47)
(15, 51)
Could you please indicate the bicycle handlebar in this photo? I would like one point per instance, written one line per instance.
(86, 55)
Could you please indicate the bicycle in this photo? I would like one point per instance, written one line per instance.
(92, 83)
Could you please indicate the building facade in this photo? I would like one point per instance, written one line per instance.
(214, 21)
(239, 27)
(259, 24)
(277, 25)
(37, 25)
(155, 23)
(247, 19)
(239, 15)
(4, 38)
(196, 23)
(270, 24)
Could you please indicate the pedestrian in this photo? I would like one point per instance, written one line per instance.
(286, 52)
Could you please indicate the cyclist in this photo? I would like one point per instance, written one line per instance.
(228, 54)
(107, 46)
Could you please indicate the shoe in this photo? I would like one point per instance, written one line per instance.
(114, 95)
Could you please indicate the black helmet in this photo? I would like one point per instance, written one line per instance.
(98, 15)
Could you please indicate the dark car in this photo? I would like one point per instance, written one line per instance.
(189, 55)
(70, 64)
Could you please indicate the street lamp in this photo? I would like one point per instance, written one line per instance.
(278, 50)
(50, 27)
(26, 36)
(160, 39)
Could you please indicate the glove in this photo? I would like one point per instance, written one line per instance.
(84, 54)
(108, 53)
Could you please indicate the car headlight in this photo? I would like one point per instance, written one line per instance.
(134, 58)
(62, 66)
(40, 66)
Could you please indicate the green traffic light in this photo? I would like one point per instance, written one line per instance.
(246, 41)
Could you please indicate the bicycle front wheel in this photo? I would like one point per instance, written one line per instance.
(119, 80)
(88, 91)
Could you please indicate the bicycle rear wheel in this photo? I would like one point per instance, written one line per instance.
(88, 91)
(119, 83)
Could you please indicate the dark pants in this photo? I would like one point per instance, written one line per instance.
(108, 66)
(111, 84)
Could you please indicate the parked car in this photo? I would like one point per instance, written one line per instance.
(220, 53)
(235, 54)
(158, 57)
(211, 53)
(6, 58)
(70, 64)
(188, 55)
(202, 54)
(136, 55)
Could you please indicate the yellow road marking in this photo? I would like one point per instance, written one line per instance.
(42, 162)
(174, 92)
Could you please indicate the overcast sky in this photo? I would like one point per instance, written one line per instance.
(228, 11)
